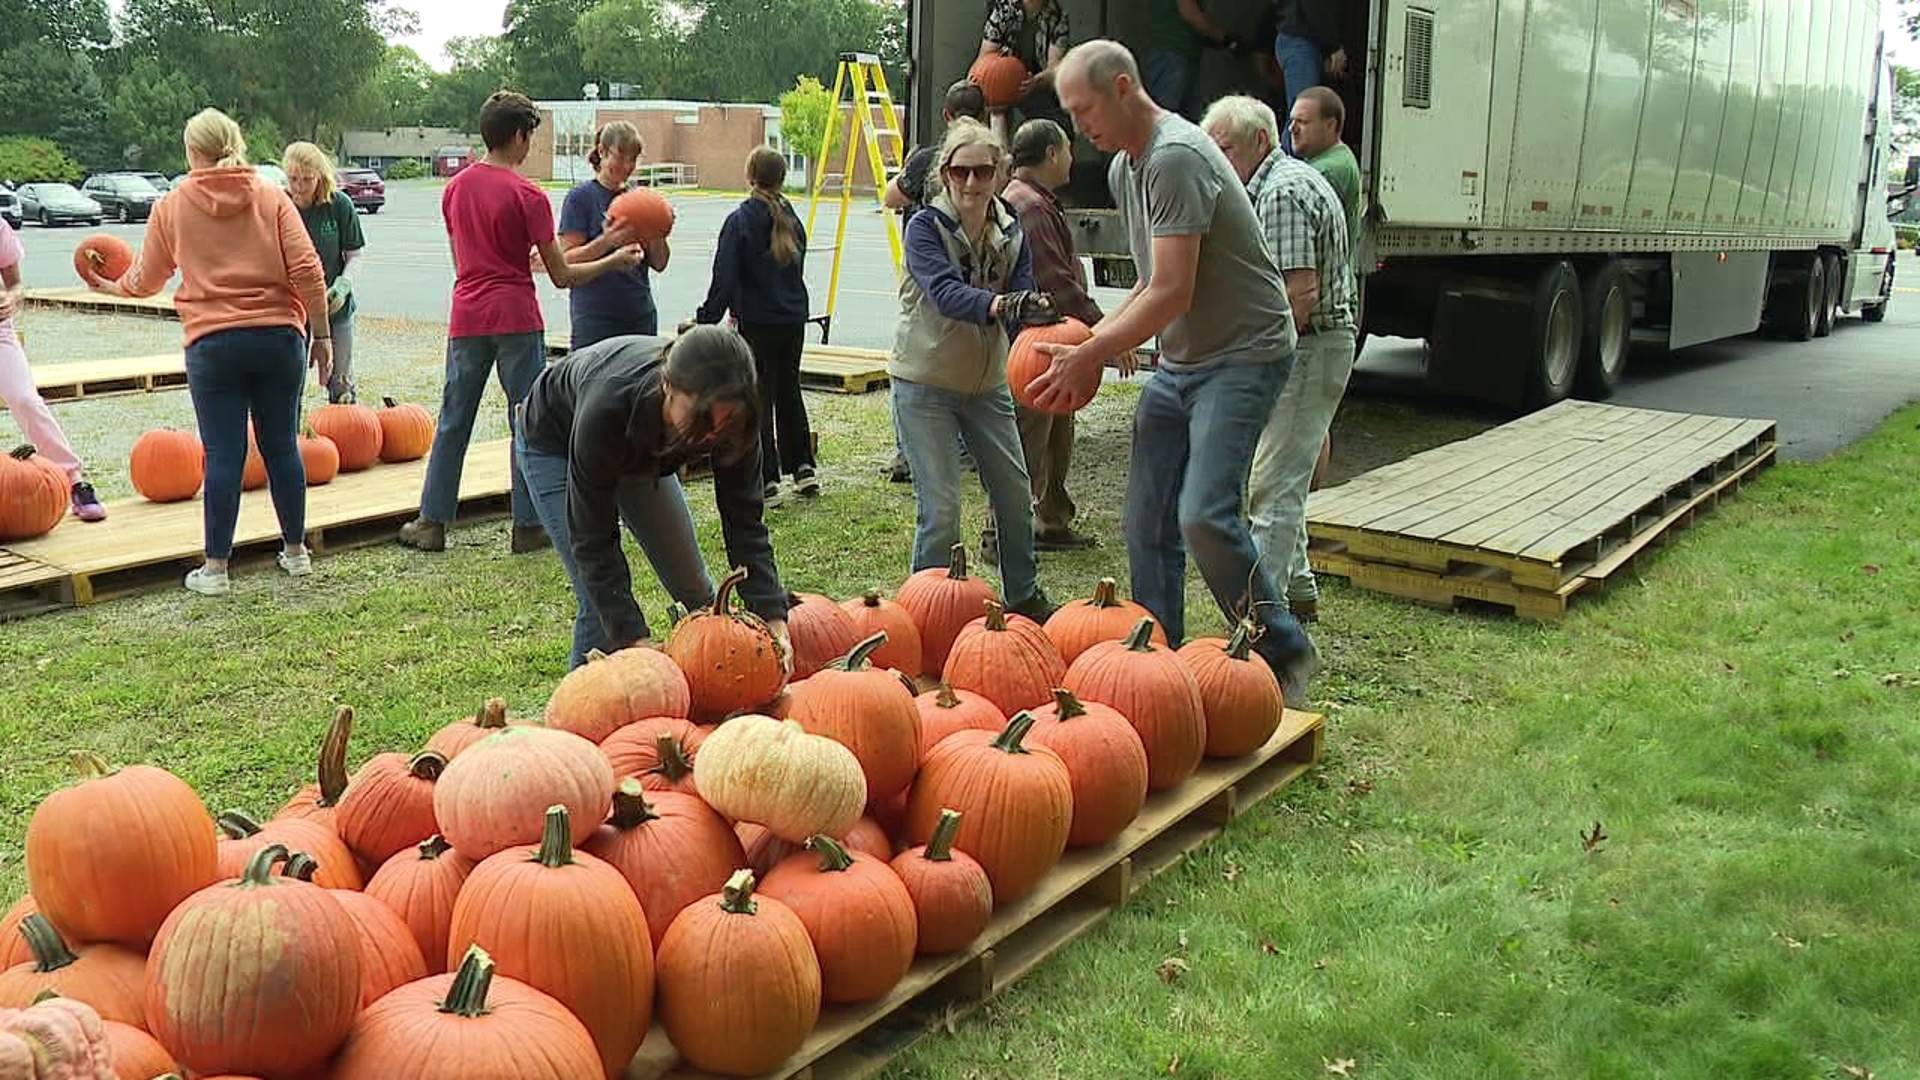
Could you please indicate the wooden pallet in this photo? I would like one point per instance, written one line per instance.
(840, 369)
(1545, 498)
(1089, 884)
(143, 546)
(101, 378)
(1465, 584)
(81, 298)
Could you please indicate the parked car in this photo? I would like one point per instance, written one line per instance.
(10, 207)
(274, 173)
(364, 187)
(124, 196)
(58, 204)
(158, 180)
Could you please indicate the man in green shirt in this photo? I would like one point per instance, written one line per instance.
(1177, 31)
(1318, 118)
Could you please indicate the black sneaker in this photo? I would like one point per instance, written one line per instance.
(771, 491)
(899, 472)
(1036, 607)
(805, 482)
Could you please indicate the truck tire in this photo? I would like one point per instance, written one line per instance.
(1553, 344)
(1606, 308)
(1830, 297)
(1877, 310)
(1801, 318)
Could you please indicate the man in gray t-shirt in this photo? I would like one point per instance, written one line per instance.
(1208, 285)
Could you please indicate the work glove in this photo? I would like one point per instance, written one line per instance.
(337, 295)
(1029, 308)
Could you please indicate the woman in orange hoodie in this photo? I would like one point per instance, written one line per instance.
(253, 300)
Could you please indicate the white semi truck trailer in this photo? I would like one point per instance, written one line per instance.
(1548, 182)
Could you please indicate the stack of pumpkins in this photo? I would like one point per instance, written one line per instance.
(169, 465)
(682, 837)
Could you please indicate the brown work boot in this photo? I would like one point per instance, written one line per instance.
(530, 538)
(422, 534)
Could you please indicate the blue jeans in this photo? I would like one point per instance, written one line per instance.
(655, 510)
(521, 358)
(586, 329)
(928, 419)
(1193, 439)
(255, 370)
(1299, 60)
(340, 387)
(1169, 76)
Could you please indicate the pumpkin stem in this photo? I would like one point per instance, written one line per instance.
(907, 682)
(259, 869)
(1141, 640)
(673, 760)
(1065, 705)
(467, 996)
(594, 656)
(556, 843)
(996, 617)
(427, 766)
(957, 563)
(333, 757)
(236, 825)
(723, 596)
(48, 994)
(50, 952)
(1016, 731)
(1106, 594)
(870, 598)
(857, 659)
(944, 697)
(940, 844)
(491, 715)
(630, 807)
(1240, 645)
(89, 765)
(301, 866)
(389, 403)
(23, 452)
(736, 897)
(433, 847)
(833, 858)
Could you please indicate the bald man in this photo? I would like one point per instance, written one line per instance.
(1209, 287)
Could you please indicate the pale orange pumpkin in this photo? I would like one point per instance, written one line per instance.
(495, 795)
(608, 692)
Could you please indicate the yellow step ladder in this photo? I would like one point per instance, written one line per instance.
(860, 75)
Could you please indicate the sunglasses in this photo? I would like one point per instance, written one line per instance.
(981, 173)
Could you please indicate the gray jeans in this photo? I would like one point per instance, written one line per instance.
(340, 387)
(1283, 462)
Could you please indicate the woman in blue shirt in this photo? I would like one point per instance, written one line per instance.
(759, 268)
(620, 302)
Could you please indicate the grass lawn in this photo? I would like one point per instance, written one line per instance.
(1737, 717)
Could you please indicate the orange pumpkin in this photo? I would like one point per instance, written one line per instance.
(819, 631)
(531, 907)
(242, 837)
(858, 914)
(1106, 760)
(1081, 624)
(320, 457)
(730, 658)
(645, 211)
(942, 600)
(318, 801)
(390, 957)
(660, 752)
(420, 886)
(871, 615)
(1239, 694)
(946, 709)
(1016, 803)
(457, 736)
(253, 475)
(136, 1054)
(732, 964)
(474, 1023)
(999, 77)
(111, 978)
(1153, 689)
(13, 944)
(1009, 661)
(1025, 362)
(104, 256)
(389, 805)
(952, 898)
(167, 465)
(496, 795)
(672, 848)
(868, 711)
(406, 431)
(355, 430)
(109, 858)
(765, 849)
(33, 495)
(259, 975)
(607, 693)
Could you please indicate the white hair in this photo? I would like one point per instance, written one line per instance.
(1242, 117)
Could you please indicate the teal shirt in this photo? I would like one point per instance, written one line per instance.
(1337, 164)
(1167, 30)
(334, 230)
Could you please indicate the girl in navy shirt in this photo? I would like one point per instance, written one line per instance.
(622, 302)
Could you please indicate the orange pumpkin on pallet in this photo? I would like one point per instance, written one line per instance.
(33, 495)
(406, 431)
(1008, 660)
(942, 600)
(946, 709)
(111, 978)
(873, 614)
(1105, 758)
(355, 430)
(167, 465)
(1239, 693)
(672, 848)
(952, 897)
(1016, 802)
(420, 886)
(320, 457)
(820, 631)
(1081, 624)
(730, 658)
(659, 752)
(457, 736)
(867, 710)
(857, 912)
(1153, 689)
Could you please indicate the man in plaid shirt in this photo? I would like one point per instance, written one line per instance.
(1307, 226)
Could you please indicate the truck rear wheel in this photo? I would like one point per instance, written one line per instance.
(1554, 344)
(1829, 297)
(1804, 297)
(1606, 330)
(1877, 310)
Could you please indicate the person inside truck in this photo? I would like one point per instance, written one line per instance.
(1208, 286)
(1034, 32)
(1317, 120)
(1179, 30)
(1308, 47)
(1306, 230)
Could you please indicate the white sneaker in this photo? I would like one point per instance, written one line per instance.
(209, 582)
(297, 565)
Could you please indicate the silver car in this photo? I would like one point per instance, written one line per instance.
(58, 204)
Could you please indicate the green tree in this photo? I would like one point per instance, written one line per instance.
(479, 68)
(67, 25)
(398, 94)
(544, 55)
(633, 41)
(50, 92)
(1906, 115)
(25, 159)
(804, 113)
(148, 110)
(751, 50)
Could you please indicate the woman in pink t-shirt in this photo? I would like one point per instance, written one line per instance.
(23, 398)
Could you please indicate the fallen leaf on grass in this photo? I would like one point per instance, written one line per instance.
(1870, 570)
(1174, 1065)
(1858, 1072)
(1183, 941)
(1170, 969)
(1231, 872)
(1342, 1067)
(1842, 673)
(1360, 786)
(1269, 947)
(1320, 965)
(1591, 840)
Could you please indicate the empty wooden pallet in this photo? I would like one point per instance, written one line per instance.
(103, 378)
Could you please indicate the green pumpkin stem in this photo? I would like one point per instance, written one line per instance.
(236, 825)
(940, 844)
(467, 996)
(433, 847)
(673, 760)
(389, 403)
(630, 807)
(23, 452)
(556, 842)
(50, 952)
(1106, 594)
(493, 714)
(996, 617)
(333, 757)
(1065, 705)
(300, 866)
(48, 994)
(259, 869)
(857, 659)
(1141, 640)
(736, 897)
(871, 598)
(89, 765)
(1240, 645)
(833, 858)
(1016, 731)
(427, 766)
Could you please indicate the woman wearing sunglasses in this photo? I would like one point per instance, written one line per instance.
(968, 287)
(601, 439)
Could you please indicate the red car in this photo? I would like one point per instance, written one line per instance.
(364, 187)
